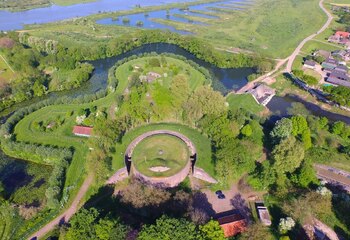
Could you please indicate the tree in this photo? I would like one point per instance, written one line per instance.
(38, 89)
(299, 125)
(154, 62)
(282, 130)
(204, 101)
(288, 155)
(306, 139)
(139, 195)
(323, 123)
(338, 127)
(305, 174)
(108, 229)
(167, 228)
(82, 225)
(180, 88)
(247, 130)
(211, 231)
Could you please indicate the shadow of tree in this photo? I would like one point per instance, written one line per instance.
(239, 203)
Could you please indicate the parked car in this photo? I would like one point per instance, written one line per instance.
(218, 192)
(221, 196)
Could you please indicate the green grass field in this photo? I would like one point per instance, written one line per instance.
(245, 101)
(160, 151)
(202, 144)
(275, 30)
(6, 74)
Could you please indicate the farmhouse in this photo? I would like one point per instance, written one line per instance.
(262, 94)
(323, 53)
(343, 54)
(309, 64)
(340, 37)
(82, 131)
(232, 224)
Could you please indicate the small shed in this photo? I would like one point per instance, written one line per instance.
(263, 213)
(82, 131)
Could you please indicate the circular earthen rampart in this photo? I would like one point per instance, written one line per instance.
(170, 181)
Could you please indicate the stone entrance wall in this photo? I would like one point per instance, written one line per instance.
(164, 182)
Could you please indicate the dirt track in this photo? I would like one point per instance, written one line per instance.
(67, 214)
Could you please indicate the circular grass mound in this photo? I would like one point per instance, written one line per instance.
(167, 153)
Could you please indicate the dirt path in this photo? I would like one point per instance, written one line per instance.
(66, 215)
(289, 60)
(302, 43)
(7, 63)
(251, 84)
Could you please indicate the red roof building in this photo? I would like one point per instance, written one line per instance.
(82, 131)
(233, 224)
(342, 34)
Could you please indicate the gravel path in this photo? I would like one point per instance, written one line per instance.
(302, 43)
(66, 215)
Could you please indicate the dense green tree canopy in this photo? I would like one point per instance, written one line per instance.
(287, 155)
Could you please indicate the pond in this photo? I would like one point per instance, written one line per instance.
(16, 20)
(280, 107)
(14, 173)
(147, 20)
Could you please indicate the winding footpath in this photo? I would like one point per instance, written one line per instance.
(290, 60)
(66, 215)
(302, 43)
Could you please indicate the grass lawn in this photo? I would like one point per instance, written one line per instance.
(313, 45)
(6, 74)
(245, 101)
(313, 73)
(202, 144)
(173, 68)
(70, 2)
(160, 151)
(298, 62)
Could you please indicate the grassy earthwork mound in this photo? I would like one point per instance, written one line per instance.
(160, 156)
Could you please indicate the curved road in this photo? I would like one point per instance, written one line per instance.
(292, 57)
(301, 45)
(66, 215)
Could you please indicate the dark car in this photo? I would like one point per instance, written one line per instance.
(221, 196)
(218, 192)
